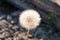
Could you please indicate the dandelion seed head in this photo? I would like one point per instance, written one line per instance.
(29, 19)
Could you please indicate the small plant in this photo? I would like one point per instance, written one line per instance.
(52, 20)
(29, 19)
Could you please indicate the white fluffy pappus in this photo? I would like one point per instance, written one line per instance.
(29, 19)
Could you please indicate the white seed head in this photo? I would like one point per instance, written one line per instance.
(29, 19)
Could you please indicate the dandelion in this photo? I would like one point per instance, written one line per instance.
(29, 19)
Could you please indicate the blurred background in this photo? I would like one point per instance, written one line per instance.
(49, 29)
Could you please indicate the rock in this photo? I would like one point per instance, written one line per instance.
(15, 20)
(9, 38)
(16, 38)
(58, 28)
(12, 22)
(14, 27)
(41, 39)
(1, 36)
(39, 33)
(2, 15)
(9, 18)
(22, 35)
(2, 22)
(6, 34)
(18, 4)
(15, 13)
(35, 39)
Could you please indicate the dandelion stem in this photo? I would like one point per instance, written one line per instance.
(27, 36)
